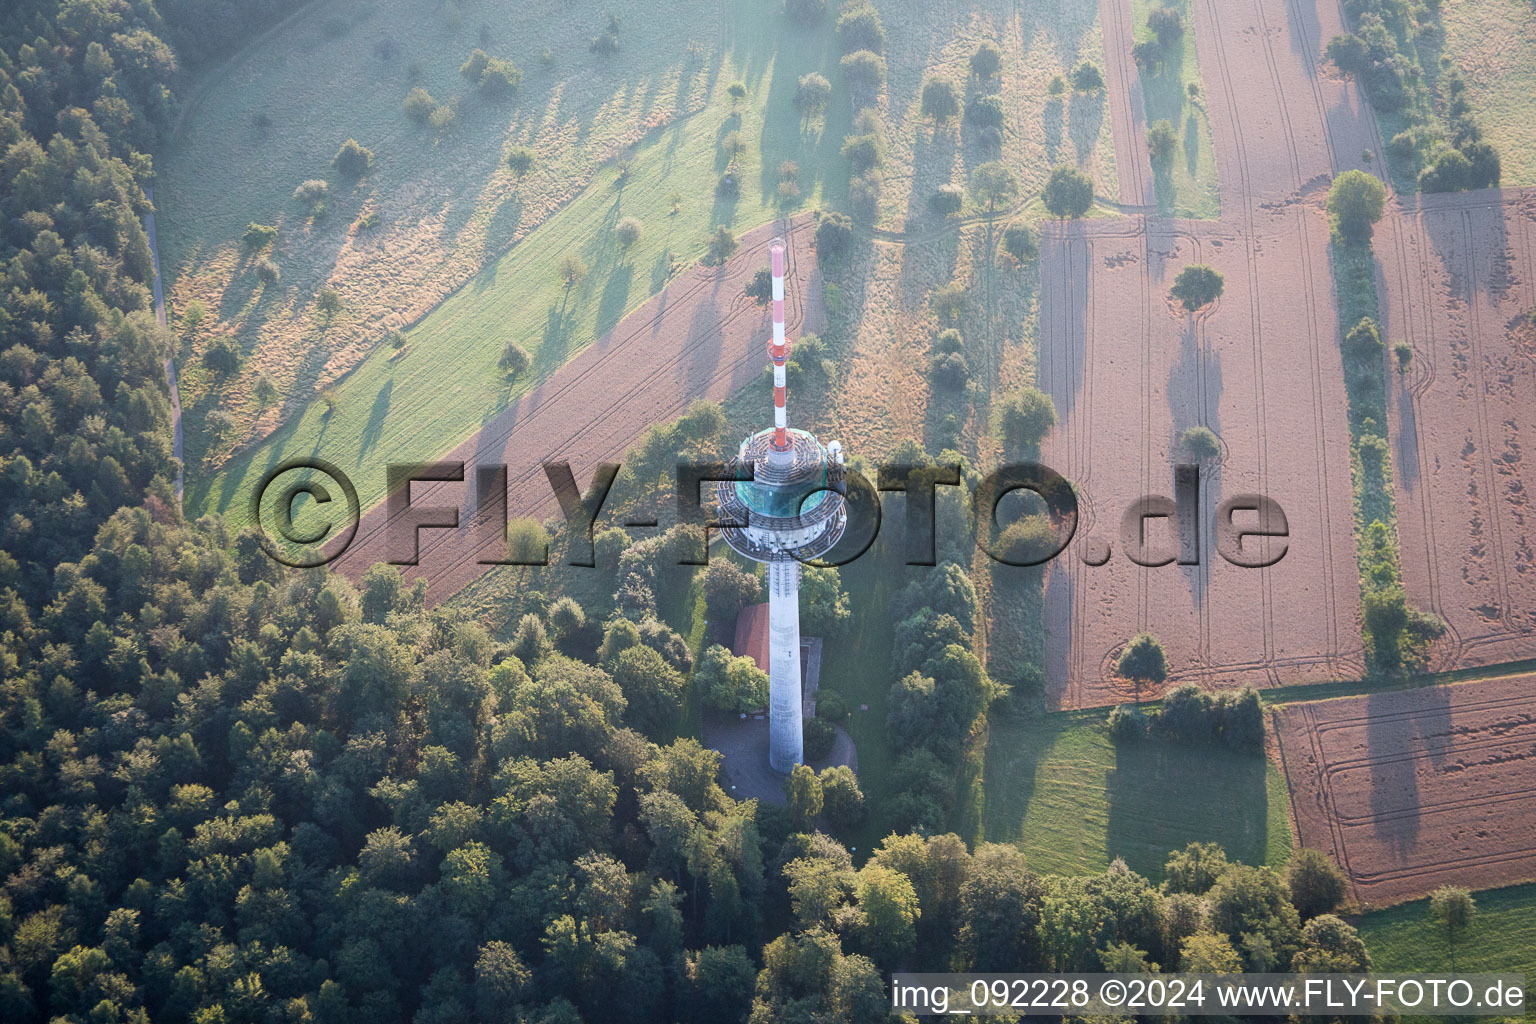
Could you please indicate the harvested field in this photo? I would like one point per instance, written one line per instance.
(1458, 281)
(1129, 373)
(1411, 790)
(701, 337)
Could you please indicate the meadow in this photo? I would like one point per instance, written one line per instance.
(1502, 936)
(1493, 42)
(1187, 187)
(1060, 790)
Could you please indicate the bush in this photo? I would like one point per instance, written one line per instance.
(1127, 724)
(1403, 146)
(1147, 54)
(258, 236)
(444, 115)
(1087, 77)
(1197, 285)
(1162, 141)
(812, 94)
(860, 29)
(730, 683)
(1026, 417)
(864, 151)
(722, 244)
(520, 161)
(1021, 242)
(571, 270)
(737, 91)
(946, 200)
(222, 358)
(268, 271)
(948, 301)
(352, 160)
(950, 370)
(312, 194)
(864, 194)
(1363, 341)
(514, 359)
(1201, 442)
(1068, 193)
(832, 705)
(941, 99)
(994, 184)
(864, 71)
(820, 735)
(986, 111)
(1057, 87)
(1355, 202)
(987, 61)
(834, 236)
(605, 43)
(419, 105)
(627, 231)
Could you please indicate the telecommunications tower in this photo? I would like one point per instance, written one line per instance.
(793, 510)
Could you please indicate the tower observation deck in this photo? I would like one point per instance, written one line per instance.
(793, 510)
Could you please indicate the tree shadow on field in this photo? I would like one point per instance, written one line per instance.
(1163, 796)
(1401, 731)
(376, 416)
(501, 229)
(1085, 119)
(556, 342)
(1050, 122)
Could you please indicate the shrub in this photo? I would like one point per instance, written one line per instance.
(1127, 724)
(514, 359)
(1021, 242)
(941, 99)
(571, 270)
(788, 191)
(1355, 202)
(950, 370)
(820, 735)
(268, 271)
(812, 94)
(328, 302)
(722, 244)
(1197, 285)
(444, 115)
(606, 42)
(859, 28)
(986, 111)
(1201, 442)
(832, 705)
(352, 160)
(987, 61)
(730, 683)
(1142, 660)
(834, 236)
(1026, 417)
(312, 194)
(1068, 193)
(1403, 146)
(946, 200)
(994, 184)
(1363, 340)
(864, 194)
(864, 71)
(500, 78)
(1087, 77)
(258, 236)
(627, 231)
(737, 91)
(948, 301)
(1147, 54)
(760, 288)
(419, 105)
(1057, 87)
(222, 358)
(864, 151)
(1404, 353)
(520, 161)
(1162, 141)
(1028, 540)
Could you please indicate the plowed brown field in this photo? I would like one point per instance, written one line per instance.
(1412, 790)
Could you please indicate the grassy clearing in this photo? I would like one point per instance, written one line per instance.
(1493, 42)
(1502, 937)
(446, 384)
(1072, 801)
(1187, 187)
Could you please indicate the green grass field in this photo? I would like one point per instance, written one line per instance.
(1493, 42)
(447, 384)
(1188, 187)
(1502, 937)
(1072, 801)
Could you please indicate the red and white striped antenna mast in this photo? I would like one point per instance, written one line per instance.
(778, 350)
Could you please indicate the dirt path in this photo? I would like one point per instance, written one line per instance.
(170, 365)
(700, 337)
